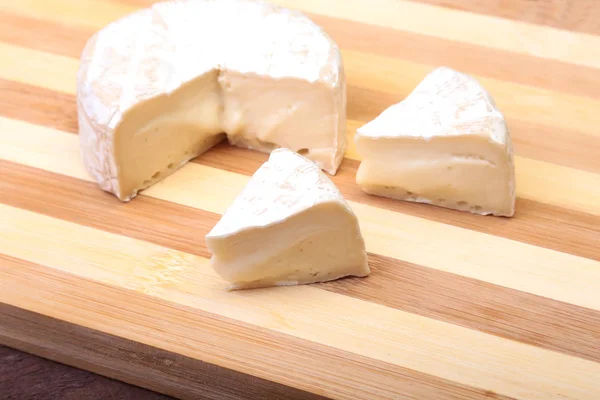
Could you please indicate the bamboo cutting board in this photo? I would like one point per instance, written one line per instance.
(458, 306)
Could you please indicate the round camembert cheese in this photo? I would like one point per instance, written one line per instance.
(165, 84)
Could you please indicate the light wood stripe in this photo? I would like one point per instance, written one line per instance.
(554, 109)
(539, 178)
(386, 74)
(478, 30)
(573, 15)
(42, 61)
(535, 223)
(546, 182)
(542, 191)
(37, 68)
(58, 110)
(392, 80)
(561, 77)
(424, 242)
(118, 358)
(557, 146)
(197, 334)
(430, 50)
(458, 305)
(406, 340)
(39, 106)
(175, 226)
(367, 104)
(398, 77)
(481, 30)
(65, 40)
(479, 256)
(94, 13)
(516, 315)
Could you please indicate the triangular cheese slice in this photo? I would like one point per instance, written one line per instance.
(446, 144)
(289, 226)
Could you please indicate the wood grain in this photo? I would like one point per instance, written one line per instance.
(400, 76)
(404, 341)
(572, 15)
(543, 181)
(571, 235)
(535, 223)
(403, 15)
(60, 38)
(40, 106)
(563, 147)
(25, 376)
(69, 40)
(197, 333)
(560, 110)
(394, 283)
(427, 242)
(481, 30)
(114, 356)
(532, 216)
(457, 306)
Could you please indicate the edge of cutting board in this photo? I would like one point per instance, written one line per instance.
(133, 362)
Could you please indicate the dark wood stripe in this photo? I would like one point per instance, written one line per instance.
(534, 223)
(175, 226)
(569, 148)
(558, 76)
(26, 376)
(187, 377)
(132, 362)
(572, 15)
(38, 105)
(48, 36)
(556, 146)
(537, 141)
(498, 64)
(478, 305)
(431, 50)
(567, 230)
(394, 283)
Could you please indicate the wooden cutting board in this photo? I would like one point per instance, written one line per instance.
(458, 306)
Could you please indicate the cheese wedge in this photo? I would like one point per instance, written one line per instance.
(165, 84)
(289, 226)
(446, 144)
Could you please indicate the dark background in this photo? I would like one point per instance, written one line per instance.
(27, 377)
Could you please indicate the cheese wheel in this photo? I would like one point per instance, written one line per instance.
(165, 84)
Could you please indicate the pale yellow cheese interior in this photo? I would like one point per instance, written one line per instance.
(264, 113)
(320, 244)
(159, 135)
(467, 173)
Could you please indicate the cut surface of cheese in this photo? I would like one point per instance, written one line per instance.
(289, 226)
(163, 85)
(445, 144)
